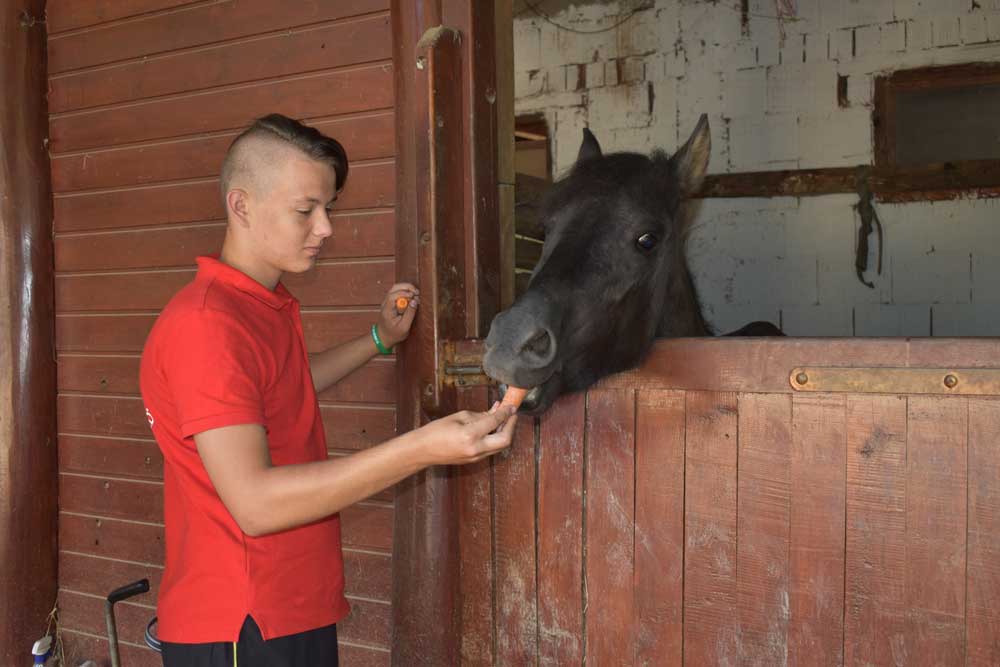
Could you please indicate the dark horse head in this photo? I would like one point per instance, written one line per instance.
(612, 277)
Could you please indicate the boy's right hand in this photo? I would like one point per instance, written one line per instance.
(467, 437)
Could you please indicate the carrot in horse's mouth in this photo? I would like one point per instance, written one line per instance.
(401, 303)
(514, 397)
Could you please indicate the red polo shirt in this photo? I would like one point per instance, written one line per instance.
(226, 350)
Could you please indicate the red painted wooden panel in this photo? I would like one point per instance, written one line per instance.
(365, 136)
(276, 54)
(127, 332)
(86, 613)
(63, 15)
(982, 614)
(357, 655)
(560, 532)
(762, 579)
(609, 524)
(119, 457)
(370, 185)
(339, 283)
(368, 623)
(816, 557)
(936, 530)
(93, 575)
(369, 234)
(875, 594)
(711, 632)
(374, 382)
(659, 527)
(475, 544)
(514, 525)
(196, 25)
(345, 91)
(80, 647)
(116, 498)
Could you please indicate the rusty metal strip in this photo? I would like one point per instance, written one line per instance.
(945, 381)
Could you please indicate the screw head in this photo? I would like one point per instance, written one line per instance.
(802, 378)
(950, 381)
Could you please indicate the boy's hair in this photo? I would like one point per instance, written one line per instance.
(310, 141)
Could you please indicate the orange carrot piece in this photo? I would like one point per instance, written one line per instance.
(401, 304)
(514, 397)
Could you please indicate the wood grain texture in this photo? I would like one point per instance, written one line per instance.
(515, 529)
(272, 55)
(365, 136)
(983, 585)
(936, 529)
(658, 581)
(560, 532)
(196, 24)
(476, 540)
(711, 624)
(875, 593)
(609, 524)
(763, 510)
(817, 530)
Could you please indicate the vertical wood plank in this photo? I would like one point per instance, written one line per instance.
(816, 533)
(983, 616)
(711, 634)
(659, 528)
(514, 528)
(609, 521)
(874, 619)
(475, 540)
(763, 527)
(936, 499)
(560, 533)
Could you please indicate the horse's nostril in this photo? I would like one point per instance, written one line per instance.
(539, 345)
(540, 348)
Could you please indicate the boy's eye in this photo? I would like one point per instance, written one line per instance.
(303, 212)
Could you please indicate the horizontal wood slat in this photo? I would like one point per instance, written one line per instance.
(285, 53)
(127, 332)
(367, 574)
(368, 623)
(124, 416)
(343, 91)
(370, 185)
(356, 283)
(63, 15)
(118, 457)
(355, 235)
(195, 25)
(79, 647)
(364, 137)
(119, 374)
(365, 526)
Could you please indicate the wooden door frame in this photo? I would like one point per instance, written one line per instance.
(29, 472)
(450, 191)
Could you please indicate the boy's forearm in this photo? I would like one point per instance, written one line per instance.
(331, 366)
(294, 495)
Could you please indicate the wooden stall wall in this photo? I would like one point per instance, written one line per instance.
(145, 96)
(701, 512)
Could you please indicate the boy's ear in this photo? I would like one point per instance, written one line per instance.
(238, 206)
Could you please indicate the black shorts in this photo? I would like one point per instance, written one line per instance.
(313, 648)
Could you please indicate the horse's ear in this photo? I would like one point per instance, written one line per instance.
(691, 162)
(589, 148)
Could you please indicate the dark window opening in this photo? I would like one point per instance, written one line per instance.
(533, 174)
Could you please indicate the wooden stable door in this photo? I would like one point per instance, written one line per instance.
(701, 511)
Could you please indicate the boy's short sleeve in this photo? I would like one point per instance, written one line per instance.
(214, 374)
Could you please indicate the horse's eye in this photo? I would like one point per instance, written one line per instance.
(646, 241)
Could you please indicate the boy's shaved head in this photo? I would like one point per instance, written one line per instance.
(261, 150)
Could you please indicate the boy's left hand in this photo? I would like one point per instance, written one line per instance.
(393, 327)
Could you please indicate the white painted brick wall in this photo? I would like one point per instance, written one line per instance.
(771, 95)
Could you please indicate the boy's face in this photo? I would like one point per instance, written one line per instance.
(291, 213)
